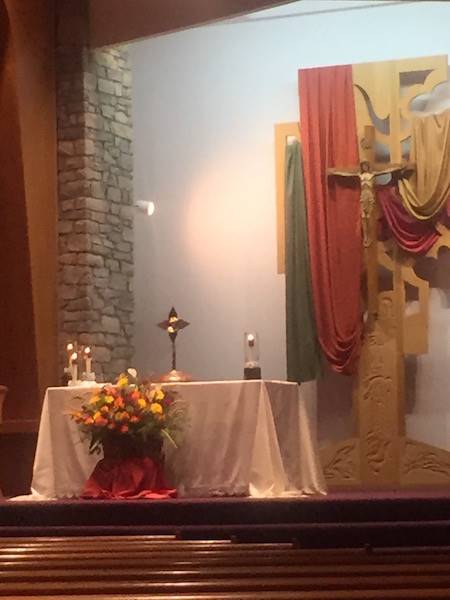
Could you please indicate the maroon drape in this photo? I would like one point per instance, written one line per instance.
(329, 139)
(410, 234)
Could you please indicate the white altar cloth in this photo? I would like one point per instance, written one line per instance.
(241, 437)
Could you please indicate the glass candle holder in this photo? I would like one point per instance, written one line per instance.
(252, 369)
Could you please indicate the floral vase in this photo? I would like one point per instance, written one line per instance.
(122, 446)
(129, 469)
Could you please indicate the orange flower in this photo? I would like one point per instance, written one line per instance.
(134, 419)
(104, 409)
(135, 395)
(88, 421)
(119, 403)
(124, 428)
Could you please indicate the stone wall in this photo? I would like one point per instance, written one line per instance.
(95, 166)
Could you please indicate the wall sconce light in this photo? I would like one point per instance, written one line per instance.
(144, 206)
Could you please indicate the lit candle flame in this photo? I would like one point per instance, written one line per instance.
(74, 357)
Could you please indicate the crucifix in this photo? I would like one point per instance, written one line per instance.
(173, 324)
(368, 205)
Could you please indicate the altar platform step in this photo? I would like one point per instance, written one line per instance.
(350, 520)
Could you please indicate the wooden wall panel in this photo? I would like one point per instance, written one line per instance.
(116, 21)
(18, 365)
(33, 31)
(28, 234)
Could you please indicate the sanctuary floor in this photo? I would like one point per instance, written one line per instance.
(374, 519)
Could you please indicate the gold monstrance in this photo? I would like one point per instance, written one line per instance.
(173, 324)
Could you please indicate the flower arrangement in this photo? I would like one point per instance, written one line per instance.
(143, 414)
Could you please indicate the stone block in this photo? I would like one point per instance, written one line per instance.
(110, 324)
(66, 148)
(86, 226)
(127, 234)
(65, 227)
(125, 183)
(71, 274)
(68, 258)
(126, 162)
(121, 352)
(118, 281)
(113, 194)
(98, 190)
(107, 111)
(123, 131)
(121, 117)
(118, 365)
(113, 265)
(78, 242)
(92, 260)
(97, 204)
(79, 304)
(106, 87)
(69, 292)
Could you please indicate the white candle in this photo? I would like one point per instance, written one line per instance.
(251, 340)
(69, 349)
(88, 360)
(74, 366)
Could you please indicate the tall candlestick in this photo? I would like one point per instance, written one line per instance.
(88, 360)
(69, 350)
(74, 366)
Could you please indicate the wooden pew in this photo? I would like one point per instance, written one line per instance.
(136, 567)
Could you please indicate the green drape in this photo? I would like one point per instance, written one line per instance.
(303, 355)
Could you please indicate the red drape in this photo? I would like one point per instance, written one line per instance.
(329, 139)
(410, 234)
(127, 478)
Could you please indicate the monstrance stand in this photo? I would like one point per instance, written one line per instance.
(173, 324)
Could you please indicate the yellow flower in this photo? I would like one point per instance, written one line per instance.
(96, 415)
(156, 408)
(123, 381)
(94, 400)
(142, 403)
(157, 394)
(109, 399)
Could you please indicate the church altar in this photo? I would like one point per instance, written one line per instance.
(252, 438)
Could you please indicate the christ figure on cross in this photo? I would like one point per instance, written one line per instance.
(366, 178)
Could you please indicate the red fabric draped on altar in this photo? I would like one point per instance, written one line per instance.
(122, 478)
(329, 139)
(410, 234)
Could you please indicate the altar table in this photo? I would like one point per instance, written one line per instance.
(241, 438)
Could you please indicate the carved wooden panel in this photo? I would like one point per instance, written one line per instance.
(424, 464)
(376, 397)
(341, 464)
(383, 93)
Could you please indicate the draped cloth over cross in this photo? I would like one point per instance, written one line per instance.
(328, 126)
(428, 190)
